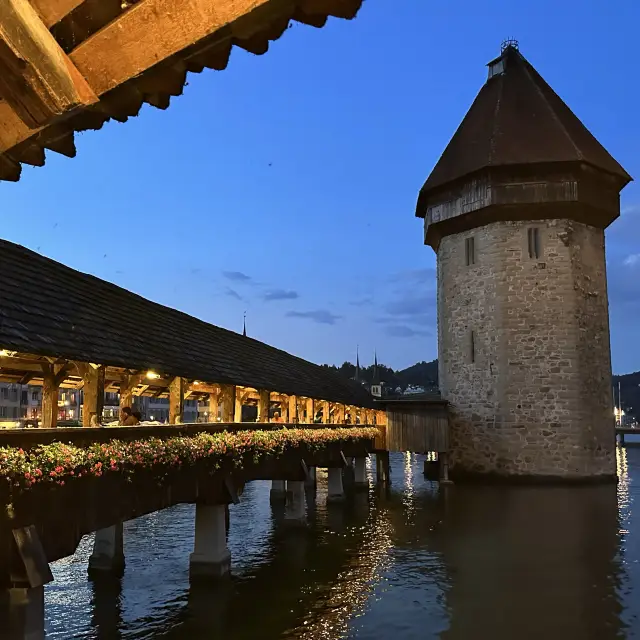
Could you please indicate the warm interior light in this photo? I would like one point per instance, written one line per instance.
(152, 375)
(196, 382)
(5, 353)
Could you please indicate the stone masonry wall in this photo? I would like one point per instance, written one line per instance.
(536, 400)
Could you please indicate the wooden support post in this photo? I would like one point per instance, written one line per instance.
(37, 78)
(326, 412)
(176, 400)
(340, 414)
(293, 409)
(228, 401)
(52, 376)
(127, 386)
(93, 395)
(264, 404)
(214, 401)
(311, 411)
(238, 405)
(381, 418)
(284, 409)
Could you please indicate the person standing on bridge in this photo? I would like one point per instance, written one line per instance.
(127, 418)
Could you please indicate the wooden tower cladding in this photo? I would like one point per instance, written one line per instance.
(516, 209)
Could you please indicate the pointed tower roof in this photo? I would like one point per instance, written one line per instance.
(244, 324)
(518, 119)
(520, 153)
(376, 373)
(357, 363)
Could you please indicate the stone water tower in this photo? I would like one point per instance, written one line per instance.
(515, 210)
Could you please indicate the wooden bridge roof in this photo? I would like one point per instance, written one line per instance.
(71, 65)
(48, 309)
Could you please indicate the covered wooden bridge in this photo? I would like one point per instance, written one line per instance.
(60, 328)
(71, 65)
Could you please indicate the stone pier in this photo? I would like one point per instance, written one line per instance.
(108, 552)
(278, 491)
(211, 557)
(360, 473)
(22, 614)
(295, 508)
(311, 482)
(335, 489)
(383, 475)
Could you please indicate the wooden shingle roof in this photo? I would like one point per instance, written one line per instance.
(517, 119)
(48, 309)
(72, 65)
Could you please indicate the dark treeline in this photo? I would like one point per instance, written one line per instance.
(630, 392)
(421, 374)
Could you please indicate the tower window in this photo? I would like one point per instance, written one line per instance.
(470, 251)
(533, 241)
(472, 347)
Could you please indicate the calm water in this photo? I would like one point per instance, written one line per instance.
(499, 563)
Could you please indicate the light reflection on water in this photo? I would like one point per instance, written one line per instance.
(410, 562)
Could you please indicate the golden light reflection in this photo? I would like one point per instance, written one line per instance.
(624, 494)
(409, 492)
(353, 586)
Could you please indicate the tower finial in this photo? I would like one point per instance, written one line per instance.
(509, 43)
(357, 363)
(244, 324)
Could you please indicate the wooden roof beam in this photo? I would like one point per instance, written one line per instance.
(52, 11)
(37, 79)
(143, 36)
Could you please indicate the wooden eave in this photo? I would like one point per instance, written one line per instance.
(71, 65)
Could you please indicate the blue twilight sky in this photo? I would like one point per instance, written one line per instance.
(286, 185)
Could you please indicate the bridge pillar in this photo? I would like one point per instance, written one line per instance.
(278, 491)
(23, 614)
(335, 490)
(294, 511)
(311, 481)
(108, 552)
(360, 472)
(211, 557)
(383, 475)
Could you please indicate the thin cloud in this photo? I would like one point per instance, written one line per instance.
(280, 294)
(403, 331)
(232, 293)
(236, 276)
(425, 275)
(362, 302)
(632, 260)
(411, 306)
(321, 316)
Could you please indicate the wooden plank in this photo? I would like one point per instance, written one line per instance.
(176, 400)
(213, 406)
(52, 11)
(227, 400)
(264, 404)
(147, 34)
(37, 79)
(93, 396)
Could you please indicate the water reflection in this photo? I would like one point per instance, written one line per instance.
(411, 561)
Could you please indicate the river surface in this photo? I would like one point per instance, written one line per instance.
(412, 562)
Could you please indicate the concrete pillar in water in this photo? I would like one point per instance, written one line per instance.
(25, 619)
(311, 481)
(360, 472)
(108, 552)
(294, 510)
(335, 490)
(444, 468)
(211, 557)
(278, 491)
(383, 475)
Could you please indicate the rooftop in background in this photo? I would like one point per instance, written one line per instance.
(83, 62)
(517, 119)
(51, 310)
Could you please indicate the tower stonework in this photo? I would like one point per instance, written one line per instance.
(516, 209)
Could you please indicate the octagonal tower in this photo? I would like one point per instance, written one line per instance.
(515, 210)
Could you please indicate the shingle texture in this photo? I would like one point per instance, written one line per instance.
(517, 119)
(49, 309)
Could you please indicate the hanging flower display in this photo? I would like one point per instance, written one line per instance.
(60, 463)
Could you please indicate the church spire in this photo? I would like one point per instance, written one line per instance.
(376, 375)
(244, 325)
(357, 363)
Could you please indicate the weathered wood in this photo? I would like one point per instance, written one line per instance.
(417, 429)
(293, 409)
(37, 79)
(311, 410)
(228, 400)
(340, 414)
(127, 385)
(214, 403)
(239, 398)
(52, 376)
(264, 404)
(176, 400)
(52, 11)
(326, 412)
(93, 395)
